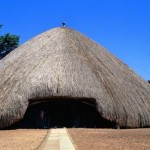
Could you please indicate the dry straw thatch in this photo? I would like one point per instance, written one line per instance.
(64, 63)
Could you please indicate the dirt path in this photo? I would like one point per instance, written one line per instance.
(22, 139)
(109, 139)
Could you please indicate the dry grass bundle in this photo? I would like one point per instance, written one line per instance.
(62, 62)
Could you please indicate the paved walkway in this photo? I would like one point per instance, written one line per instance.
(58, 139)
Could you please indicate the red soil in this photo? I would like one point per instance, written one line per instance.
(26, 139)
(109, 139)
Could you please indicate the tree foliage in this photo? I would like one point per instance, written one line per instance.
(8, 42)
(148, 81)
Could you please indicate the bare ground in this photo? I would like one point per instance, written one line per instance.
(21, 139)
(109, 139)
(83, 139)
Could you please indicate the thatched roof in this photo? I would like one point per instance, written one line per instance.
(64, 63)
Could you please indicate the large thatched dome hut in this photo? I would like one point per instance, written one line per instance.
(62, 78)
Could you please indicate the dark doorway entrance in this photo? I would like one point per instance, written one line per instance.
(63, 113)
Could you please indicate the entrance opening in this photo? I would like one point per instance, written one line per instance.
(60, 113)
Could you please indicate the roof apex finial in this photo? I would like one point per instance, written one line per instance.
(63, 24)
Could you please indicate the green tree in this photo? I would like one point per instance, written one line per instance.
(148, 81)
(8, 42)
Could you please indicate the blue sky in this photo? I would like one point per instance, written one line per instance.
(121, 26)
